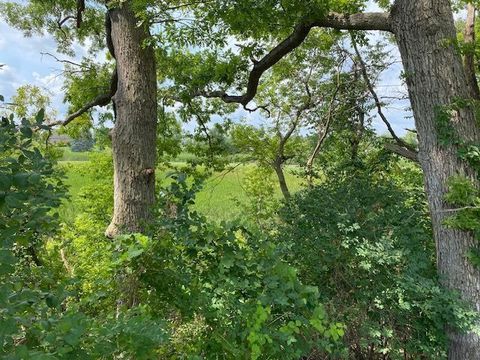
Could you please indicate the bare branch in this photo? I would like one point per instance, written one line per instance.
(64, 61)
(60, 21)
(101, 100)
(460, 209)
(400, 150)
(360, 21)
(262, 107)
(378, 104)
(322, 131)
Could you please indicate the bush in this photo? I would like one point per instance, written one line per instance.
(245, 301)
(367, 245)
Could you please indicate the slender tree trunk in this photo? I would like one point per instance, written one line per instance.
(358, 129)
(311, 159)
(435, 77)
(277, 165)
(322, 133)
(134, 133)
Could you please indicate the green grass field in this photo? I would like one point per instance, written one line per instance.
(218, 199)
(69, 155)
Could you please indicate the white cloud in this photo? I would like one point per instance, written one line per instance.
(9, 80)
(25, 63)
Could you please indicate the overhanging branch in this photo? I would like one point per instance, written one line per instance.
(400, 150)
(360, 21)
(101, 100)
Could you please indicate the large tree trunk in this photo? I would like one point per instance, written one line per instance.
(134, 134)
(435, 77)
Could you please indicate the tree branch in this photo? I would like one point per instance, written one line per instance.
(101, 100)
(361, 21)
(322, 131)
(80, 10)
(60, 21)
(104, 99)
(400, 150)
(65, 61)
(409, 151)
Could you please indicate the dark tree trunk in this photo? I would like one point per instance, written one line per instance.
(435, 77)
(134, 134)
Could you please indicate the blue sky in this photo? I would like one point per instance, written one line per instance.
(25, 64)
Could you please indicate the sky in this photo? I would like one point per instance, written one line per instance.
(24, 64)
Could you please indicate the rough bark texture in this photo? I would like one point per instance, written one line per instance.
(435, 77)
(469, 60)
(134, 134)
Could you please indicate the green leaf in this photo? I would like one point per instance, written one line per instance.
(20, 180)
(40, 116)
(8, 326)
(5, 182)
(34, 178)
(26, 131)
(13, 201)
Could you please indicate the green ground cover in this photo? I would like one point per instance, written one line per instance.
(218, 200)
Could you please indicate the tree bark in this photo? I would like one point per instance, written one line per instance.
(277, 165)
(322, 133)
(134, 133)
(435, 77)
(469, 60)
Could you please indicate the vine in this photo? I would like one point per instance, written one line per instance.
(463, 193)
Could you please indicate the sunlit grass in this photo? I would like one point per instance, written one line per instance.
(218, 200)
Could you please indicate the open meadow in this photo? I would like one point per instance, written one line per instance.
(218, 200)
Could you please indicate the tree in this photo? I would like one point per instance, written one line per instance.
(132, 90)
(435, 76)
(295, 94)
(134, 133)
(271, 147)
(298, 96)
(434, 73)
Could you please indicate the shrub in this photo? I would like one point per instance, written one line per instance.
(367, 244)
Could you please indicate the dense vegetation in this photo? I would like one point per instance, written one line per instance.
(304, 234)
(231, 284)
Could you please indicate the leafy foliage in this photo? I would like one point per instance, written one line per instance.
(226, 274)
(366, 243)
